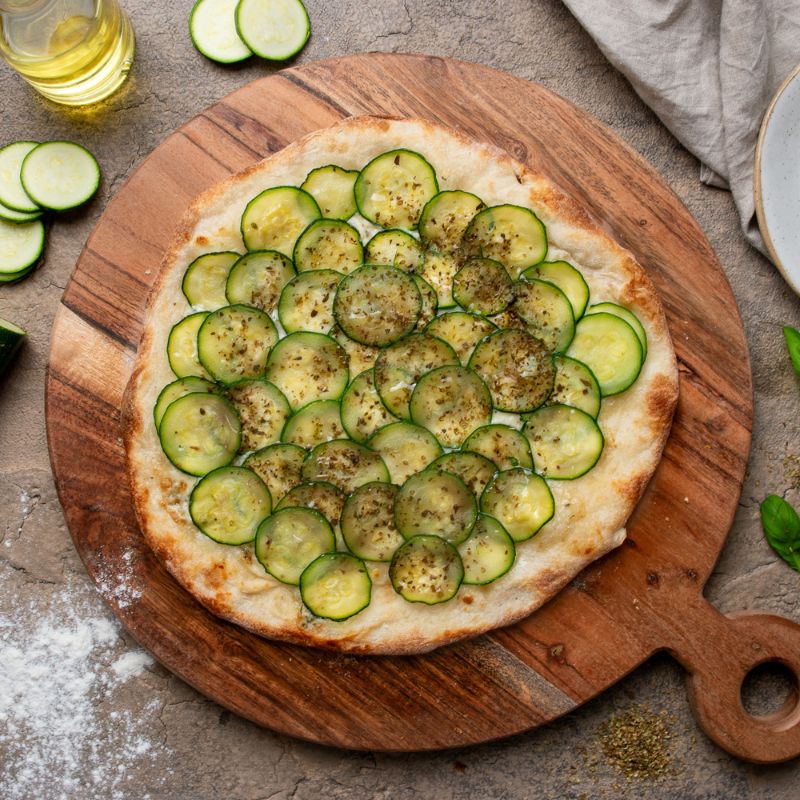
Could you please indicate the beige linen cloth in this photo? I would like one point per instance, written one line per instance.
(708, 68)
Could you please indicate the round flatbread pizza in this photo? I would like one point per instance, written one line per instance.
(394, 389)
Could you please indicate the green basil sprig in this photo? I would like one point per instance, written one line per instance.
(782, 528)
(792, 336)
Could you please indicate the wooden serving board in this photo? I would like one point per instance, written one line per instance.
(644, 597)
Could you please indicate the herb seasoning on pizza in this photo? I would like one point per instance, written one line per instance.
(394, 389)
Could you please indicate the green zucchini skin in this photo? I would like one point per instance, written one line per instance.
(11, 339)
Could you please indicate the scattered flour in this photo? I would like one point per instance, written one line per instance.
(124, 586)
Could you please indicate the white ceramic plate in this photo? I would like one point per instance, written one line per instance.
(777, 179)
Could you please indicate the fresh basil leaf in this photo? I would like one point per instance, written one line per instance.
(792, 336)
(782, 528)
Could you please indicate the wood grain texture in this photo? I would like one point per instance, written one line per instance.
(645, 597)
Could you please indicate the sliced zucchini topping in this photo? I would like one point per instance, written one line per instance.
(610, 348)
(575, 386)
(200, 432)
(329, 244)
(290, 539)
(426, 569)
(437, 503)
(229, 504)
(271, 29)
(628, 316)
(399, 367)
(368, 526)
(546, 311)
(430, 302)
(278, 466)
(504, 446)
(438, 270)
(567, 278)
(336, 586)
(520, 500)
(182, 347)
(172, 391)
(257, 279)
(451, 402)
(315, 423)
(377, 305)
(234, 342)
(274, 219)
(483, 286)
(332, 188)
(319, 495)
(405, 448)
(516, 367)
(474, 469)
(446, 216)
(306, 302)
(363, 411)
(393, 189)
(488, 553)
(395, 248)
(359, 356)
(205, 280)
(262, 409)
(461, 331)
(345, 464)
(566, 442)
(308, 367)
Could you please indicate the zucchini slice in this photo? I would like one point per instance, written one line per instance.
(438, 270)
(257, 279)
(359, 356)
(182, 347)
(306, 302)
(234, 343)
(273, 29)
(516, 367)
(9, 215)
(405, 449)
(315, 423)
(336, 586)
(59, 175)
(501, 444)
(319, 495)
(489, 552)
(395, 248)
(520, 500)
(400, 366)
(368, 526)
(345, 464)
(628, 316)
(278, 466)
(332, 188)
(575, 386)
(430, 302)
(567, 278)
(512, 235)
(566, 442)
(308, 367)
(200, 432)
(483, 286)
(229, 504)
(275, 218)
(362, 410)
(437, 503)
(170, 393)
(451, 402)
(461, 331)
(329, 244)
(426, 569)
(290, 539)
(610, 348)
(546, 311)
(377, 305)
(11, 338)
(12, 193)
(446, 216)
(212, 28)
(21, 247)
(394, 187)
(508, 319)
(474, 469)
(205, 279)
(263, 411)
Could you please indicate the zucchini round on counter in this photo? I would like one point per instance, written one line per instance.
(462, 331)
(257, 279)
(362, 410)
(395, 248)
(502, 445)
(368, 526)
(306, 302)
(625, 314)
(394, 187)
(11, 338)
(405, 449)
(359, 356)
(474, 469)
(12, 193)
(575, 386)
(179, 388)
(438, 270)
(520, 500)
(546, 312)
(59, 176)
(563, 275)
(9, 215)
(446, 216)
(205, 280)
(488, 553)
(426, 569)
(336, 586)
(182, 347)
(273, 30)
(228, 505)
(328, 244)
(332, 188)
(345, 464)
(315, 423)
(278, 465)
(275, 218)
(322, 496)
(21, 245)
(212, 28)
(262, 409)
(483, 286)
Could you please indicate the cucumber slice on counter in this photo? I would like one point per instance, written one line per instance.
(21, 247)
(212, 28)
(306, 302)
(359, 356)
(461, 331)
(182, 347)
(426, 569)
(395, 248)
(329, 244)
(430, 302)
(275, 218)
(205, 280)
(368, 526)
(439, 269)
(502, 445)
(362, 409)
(336, 586)
(488, 553)
(12, 193)
(320, 496)
(345, 464)
(405, 449)
(567, 278)
(474, 469)
(546, 312)
(229, 504)
(483, 286)
(313, 424)
(278, 465)
(446, 216)
(520, 500)
(273, 29)
(575, 386)
(172, 391)
(628, 316)
(9, 215)
(257, 279)
(60, 175)
(263, 411)
(11, 338)
(332, 188)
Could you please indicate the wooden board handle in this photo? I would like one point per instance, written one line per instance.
(719, 651)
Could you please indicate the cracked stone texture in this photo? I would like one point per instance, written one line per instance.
(199, 751)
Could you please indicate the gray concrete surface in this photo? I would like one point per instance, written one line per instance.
(105, 722)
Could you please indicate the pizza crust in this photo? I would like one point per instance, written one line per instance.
(590, 512)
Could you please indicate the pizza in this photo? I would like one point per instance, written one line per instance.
(394, 389)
